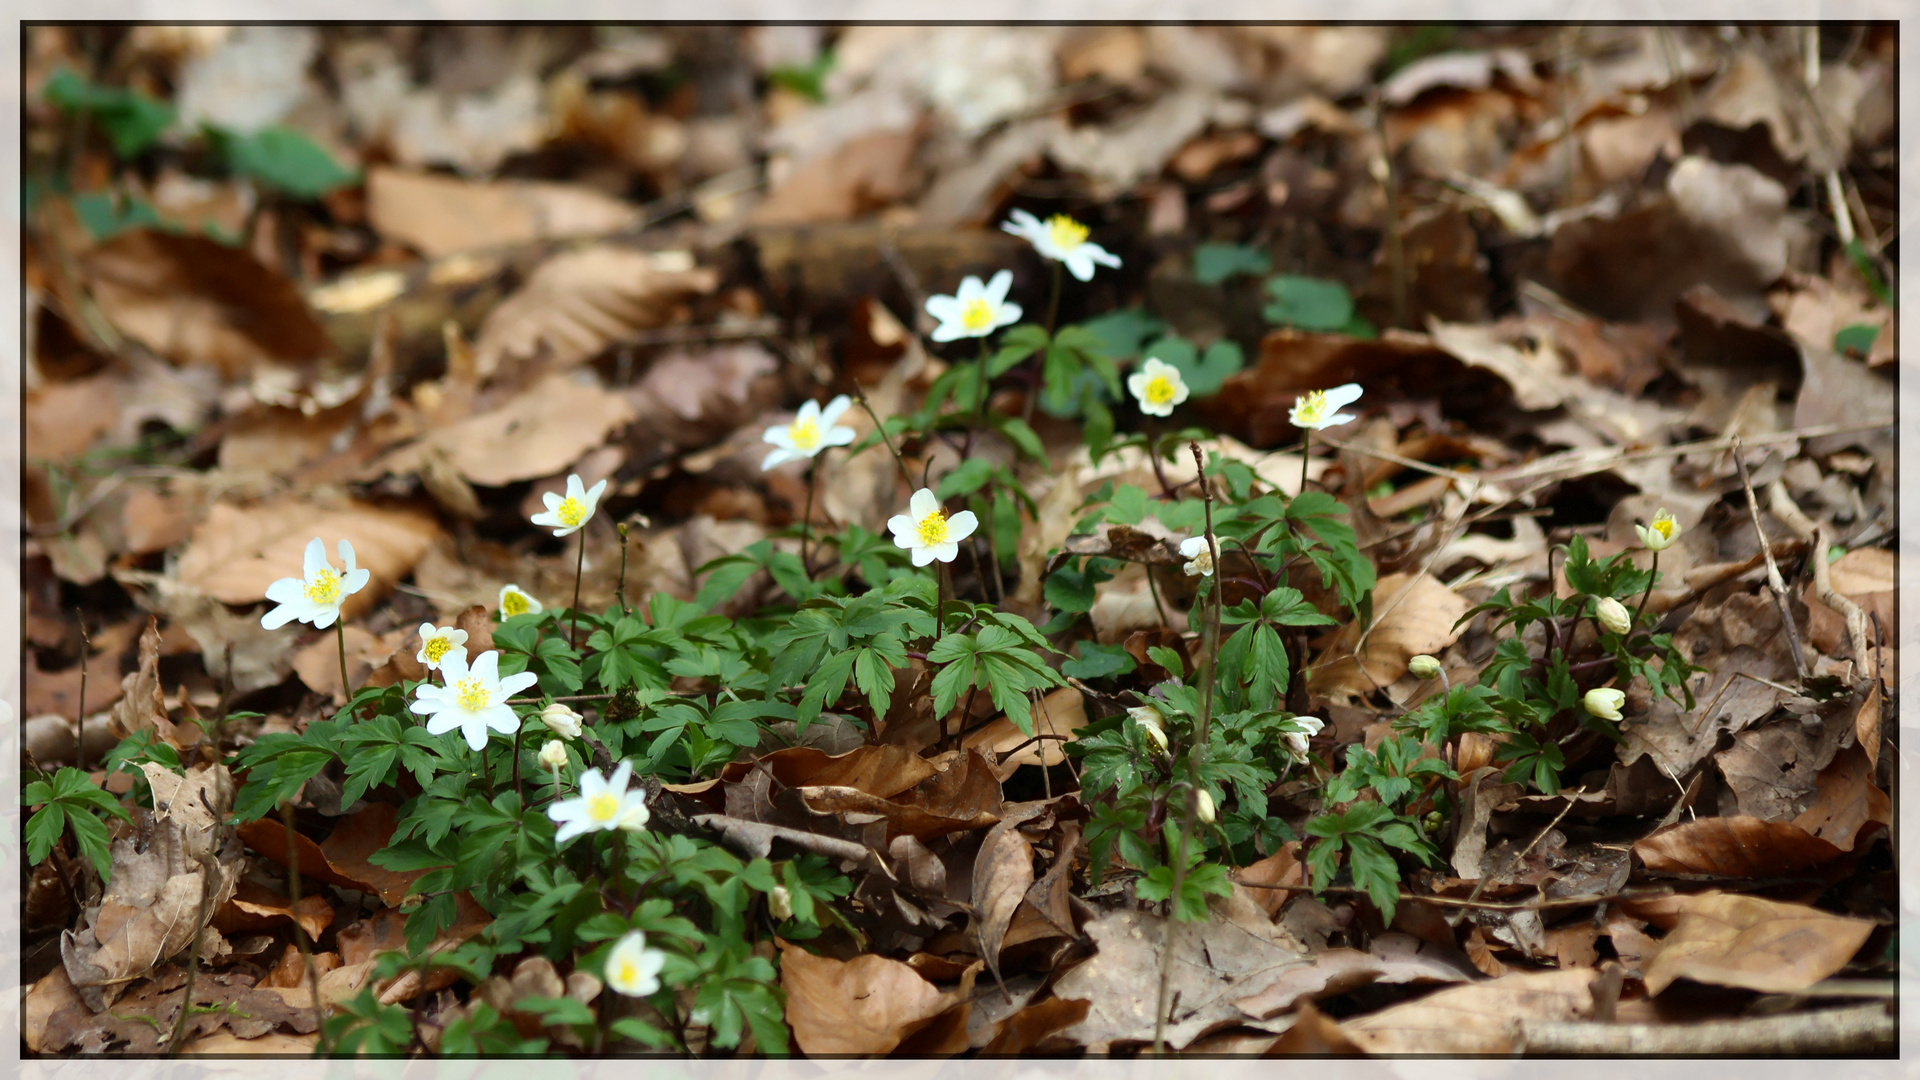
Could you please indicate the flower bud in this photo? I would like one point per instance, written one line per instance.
(1149, 718)
(1424, 667)
(561, 720)
(1604, 702)
(1203, 805)
(1613, 615)
(554, 755)
(780, 902)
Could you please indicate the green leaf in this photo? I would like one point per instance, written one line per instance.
(1121, 333)
(106, 214)
(971, 475)
(1097, 661)
(132, 120)
(1856, 340)
(285, 159)
(1215, 263)
(1308, 303)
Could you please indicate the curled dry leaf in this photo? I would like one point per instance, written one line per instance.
(254, 906)
(1730, 939)
(236, 553)
(1393, 958)
(1415, 614)
(196, 301)
(441, 216)
(1733, 847)
(863, 1006)
(535, 434)
(1002, 874)
(143, 705)
(153, 902)
(578, 303)
(1479, 1018)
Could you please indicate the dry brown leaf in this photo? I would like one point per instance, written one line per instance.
(1481, 1018)
(272, 1044)
(865, 174)
(236, 553)
(385, 931)
(1058, 714)
(1733, 847)
(1033, 1025)
(60, 420)
(1002, 874)
(577, 303)
(1313, 1034)
(318, 663)
(1513, 351)
(254, 906)
(901, 819)
(151, 908)
(1846, 801)
(441, 216)
(1414, 615)
(143, 704)
(196, 301)
(864, 1006)
(1866, 576)
(1392, 958)
(1733, 940)
(533, 435)
(142, 1021)
(1283, 867)
(1215, 963)
(352, 843)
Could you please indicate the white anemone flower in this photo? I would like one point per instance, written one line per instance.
(439, 642)
(315, 597)
(1063, 240)
(517, 601)
(1296, 741)
(562, 720)
(632, 968)
(928, 532)
(566, 516)
(1157, 386)
(603, 803)
(1658, 536)
(812, 431)
(978, 310)
(1317, 410)
(1199, 556)
(474, 698)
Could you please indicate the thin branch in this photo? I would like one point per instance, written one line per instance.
(1775, 585)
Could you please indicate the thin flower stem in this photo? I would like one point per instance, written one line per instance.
(340, 636)
(1306, 447)
(514, 741)
(1652, 577)
(620, 589)
(1039, 361)
(299, 931)
(860, 393)
(806, 516)
(573, 613)
(1195, 754)
(80, 707)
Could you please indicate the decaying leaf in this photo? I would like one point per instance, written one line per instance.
(1415, 614)
(441, 215)
(1733, 847)
(534, 434)
(1393, 958)
(236, 553)
(1481, 1018)
(576, 304)
(1734, 940)
(866, 1005)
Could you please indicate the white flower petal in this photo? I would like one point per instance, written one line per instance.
(834, 410)
(1080, 264)
(998, 287)
(839, 436)
(923, 555)
(948, 331)
(970, 289)
(945, 551)
(961, 525)
(278, 617)
(1006, 315)
(922, 504)
(1343, 395)
(315, 559)
(287, 590)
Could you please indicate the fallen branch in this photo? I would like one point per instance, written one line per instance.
(1790, 514)
(1775, 585)
(1859, 1029)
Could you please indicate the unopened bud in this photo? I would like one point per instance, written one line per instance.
(1203, 805)
(1424, 667)
(554, 755)
(561, 720)
(1613, 615)
(780, 902)
(1604, 702)
(1148, 718)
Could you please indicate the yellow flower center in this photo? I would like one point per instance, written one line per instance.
(1663, 526)
(472, 694)
(437, 647)
(933, 529)
(804, 433)
(1313, 405)
(570, 512)
(1160, 390)
(629, 973)
(1065, 232)
(976, 315)
(604, 806)
(513, 604)
(324, 586)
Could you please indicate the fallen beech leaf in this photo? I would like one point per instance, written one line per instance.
(577, 303)
(141, 1022)
(1736, 846)
(1313, 1034)
(318, 663)
(196, 301)
(272, 1044)
(352, 843)
(236, 553)
(1058, 714)
(1214, 964)
(1846, 801)
(535, 434)
(385, 931)
(1393, 958)
(1513, 351)
(910, 820)
(1283, 867)
(1033, 1025)
(257, 907)
(1730, 939)
(60, 420)
(441, 216)
(1002, 874)
(1480, 1018)
(1415, 615)
(58, 692)
(151, 907)
(865, 173)
(142, 705)
(863, 1006)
